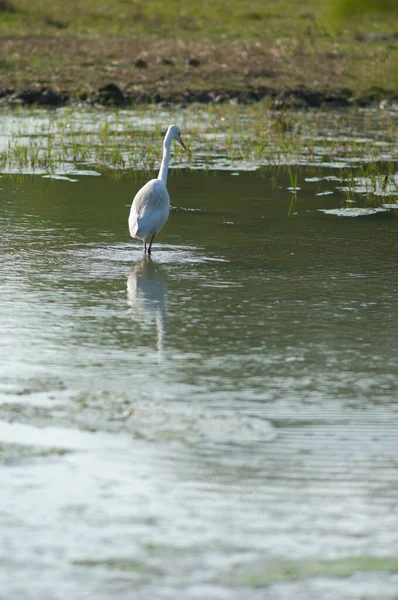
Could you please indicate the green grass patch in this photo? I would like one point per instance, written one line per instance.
(193, 19)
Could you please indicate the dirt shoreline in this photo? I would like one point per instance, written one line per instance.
(112, 71)
(113, 96)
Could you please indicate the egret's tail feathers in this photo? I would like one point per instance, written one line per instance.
(139, 228)
(133, 228)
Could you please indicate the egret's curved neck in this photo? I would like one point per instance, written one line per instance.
(164, 165)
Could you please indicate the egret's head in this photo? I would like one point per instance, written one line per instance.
(174, 133)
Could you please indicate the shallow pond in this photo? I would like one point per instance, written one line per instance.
(217, 422)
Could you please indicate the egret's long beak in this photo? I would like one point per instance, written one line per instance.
(183, 145)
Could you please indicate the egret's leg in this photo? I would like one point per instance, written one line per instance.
(150, 244)
(144, 246)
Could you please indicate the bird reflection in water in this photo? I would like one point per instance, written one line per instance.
(147, 296)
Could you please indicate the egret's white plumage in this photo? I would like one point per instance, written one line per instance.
(151, 205)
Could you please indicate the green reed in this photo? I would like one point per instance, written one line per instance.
(362, 146)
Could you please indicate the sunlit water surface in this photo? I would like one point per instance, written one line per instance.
(217, 422)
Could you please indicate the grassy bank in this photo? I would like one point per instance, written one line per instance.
(158, 49)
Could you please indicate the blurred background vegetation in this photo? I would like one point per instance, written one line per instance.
(336, 43)
(344, 8)
(194, 18)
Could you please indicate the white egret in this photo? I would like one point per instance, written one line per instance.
(151, 205)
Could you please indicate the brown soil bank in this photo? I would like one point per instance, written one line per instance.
(112, 95)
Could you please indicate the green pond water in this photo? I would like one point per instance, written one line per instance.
(217, 422)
